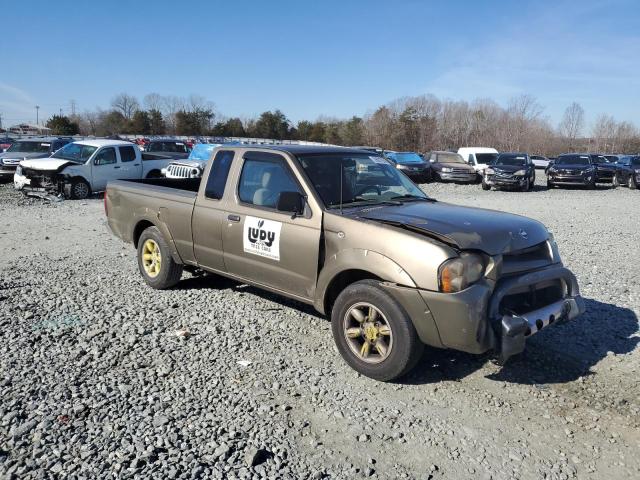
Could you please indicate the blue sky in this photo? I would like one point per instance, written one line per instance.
(335, 58)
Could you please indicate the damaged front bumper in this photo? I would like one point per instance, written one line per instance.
(491, 315)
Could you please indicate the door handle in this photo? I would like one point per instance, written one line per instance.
(136, 164)
(116, 167)
(233, 218)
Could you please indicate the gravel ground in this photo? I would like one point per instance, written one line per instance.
(100, 376)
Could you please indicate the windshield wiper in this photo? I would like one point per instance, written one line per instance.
(408, 197)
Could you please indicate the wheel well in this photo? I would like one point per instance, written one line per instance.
(140, 227)
(155, 173)
(342, 281)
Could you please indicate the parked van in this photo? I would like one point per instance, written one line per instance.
(478, 157)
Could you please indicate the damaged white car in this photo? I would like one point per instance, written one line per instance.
(83, 168)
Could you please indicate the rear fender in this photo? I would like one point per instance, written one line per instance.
(159, 220)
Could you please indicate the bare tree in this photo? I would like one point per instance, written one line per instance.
(572, 123)
(125, 104)
(603, 133)
(153, 101)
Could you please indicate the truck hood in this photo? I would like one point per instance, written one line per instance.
(46, 163)
(23, 155)
(467, 228)
(190, 163)
(507, 168)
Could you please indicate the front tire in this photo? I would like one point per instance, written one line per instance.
(154, 174)
(614, 182)
(373, 333)
(78, 189)
(155, 263)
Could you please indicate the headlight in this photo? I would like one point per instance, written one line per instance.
(19, 170)
(447, 169)
(489, 171)
(194, 173)
(520, 173)
(458, 273)
(399, 166)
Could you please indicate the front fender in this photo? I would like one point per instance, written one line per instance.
(359, 259)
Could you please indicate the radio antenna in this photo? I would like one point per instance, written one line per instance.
(341, 180)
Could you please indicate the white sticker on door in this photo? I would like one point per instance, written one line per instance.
(262, 237)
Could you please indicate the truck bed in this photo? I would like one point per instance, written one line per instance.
(188, 184)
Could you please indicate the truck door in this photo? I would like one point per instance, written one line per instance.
(266, 246)
(130, 163)
(104, 167)
(207, 221)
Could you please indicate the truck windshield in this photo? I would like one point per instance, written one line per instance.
(450, 158)
(486, 157)
(30, 147)
(573, 160)
(510, 159)
(173, 147)
(76, 152)
(365, 179)
(405, 157)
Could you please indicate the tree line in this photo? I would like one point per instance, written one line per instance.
(420, 123)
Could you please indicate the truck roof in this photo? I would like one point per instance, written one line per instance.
(104, 142)
(303, 149)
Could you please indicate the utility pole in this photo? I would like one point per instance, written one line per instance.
(73, 107)
(0, 121)
(37, 114)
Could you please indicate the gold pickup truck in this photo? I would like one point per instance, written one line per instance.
(343, 230)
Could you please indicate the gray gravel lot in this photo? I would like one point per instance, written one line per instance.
(100, 376)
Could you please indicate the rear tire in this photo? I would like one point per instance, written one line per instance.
(357, 338)
(155, 263)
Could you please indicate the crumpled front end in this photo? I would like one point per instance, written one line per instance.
(522, 293)
(32, 180)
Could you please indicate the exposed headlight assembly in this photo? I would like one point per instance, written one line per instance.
(458, 273)
(520, 173)
(489, 171)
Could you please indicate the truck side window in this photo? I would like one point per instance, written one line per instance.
(263, 179)
(218, 175)
(106, 156)
(127, 154)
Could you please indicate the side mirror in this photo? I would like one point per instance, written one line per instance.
(291, 202)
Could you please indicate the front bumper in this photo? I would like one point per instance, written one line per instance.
(7, 171)
(570, 179)
(458, 177)
(417, 175)
(474, 319)
(505, 182)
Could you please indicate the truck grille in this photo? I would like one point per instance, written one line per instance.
(179, 171)
(461, 171)
(39, 178)
(532, 258)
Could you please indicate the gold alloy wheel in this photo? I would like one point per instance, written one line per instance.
(151, 258)
(367, 332)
